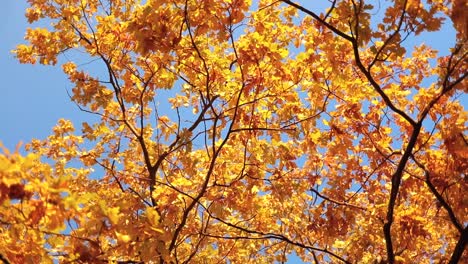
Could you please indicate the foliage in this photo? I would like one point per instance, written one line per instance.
(240, 132)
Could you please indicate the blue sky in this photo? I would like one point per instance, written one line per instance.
(33, 97)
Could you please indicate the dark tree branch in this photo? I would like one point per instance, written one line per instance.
(322, 21)
(439, 197)
(460, 247)
(4, 260)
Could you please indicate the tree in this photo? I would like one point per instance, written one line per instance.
(238, 131)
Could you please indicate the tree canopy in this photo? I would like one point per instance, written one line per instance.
(239, 131)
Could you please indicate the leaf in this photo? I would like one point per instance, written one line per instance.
(122, 238)
(241, 131)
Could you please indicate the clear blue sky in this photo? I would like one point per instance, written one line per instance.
(32, 97)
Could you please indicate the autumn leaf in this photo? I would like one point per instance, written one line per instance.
(241, 131)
